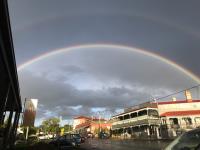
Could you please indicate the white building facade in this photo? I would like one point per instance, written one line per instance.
(157, 119)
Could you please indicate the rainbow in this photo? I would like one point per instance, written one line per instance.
(133, 49)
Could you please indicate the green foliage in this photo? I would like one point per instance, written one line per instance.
(32, 130)
(68, 127)
(50, 125)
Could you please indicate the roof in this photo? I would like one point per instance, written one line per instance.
(82, 117)
(83, 125)
(178, 102)
(132, 111)
(159, 103)
(90, 118)
(181, 113)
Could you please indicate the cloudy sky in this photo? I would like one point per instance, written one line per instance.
(91, 79)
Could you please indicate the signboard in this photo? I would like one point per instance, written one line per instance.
(62, 131)
(30, 107)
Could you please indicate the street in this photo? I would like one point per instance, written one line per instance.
(113, 144)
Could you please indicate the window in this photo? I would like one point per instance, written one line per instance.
(121, 118)
(133, 115)
(127, 116)
(173, 121)
(142, 113)
(188, 120)
(197, 120)
(152, 112)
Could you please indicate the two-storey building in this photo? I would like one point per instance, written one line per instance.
(142, 120)
(157, 119)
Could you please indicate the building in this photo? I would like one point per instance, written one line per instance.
(178, 116)
(10, 105)
(89, 125)
(157, 119)
(141, 120)
(29, 114)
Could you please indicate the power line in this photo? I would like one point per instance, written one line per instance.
(178, 92)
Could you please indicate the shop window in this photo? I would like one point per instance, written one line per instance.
(197, 120)
(187, 120)
(173, 121)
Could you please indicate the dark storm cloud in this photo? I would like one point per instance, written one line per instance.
(55, 93)
(63, 83)
(57, 99)
(132, 68)
(103, 78)
(171, 29)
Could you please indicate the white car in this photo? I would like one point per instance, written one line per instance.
(43, 136)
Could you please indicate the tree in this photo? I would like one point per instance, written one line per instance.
(68, 127)
(51, 125)
(31, 130)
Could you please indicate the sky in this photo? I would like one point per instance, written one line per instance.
(107, 79)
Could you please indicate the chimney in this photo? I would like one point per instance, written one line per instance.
(188, 96)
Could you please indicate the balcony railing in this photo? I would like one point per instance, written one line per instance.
(142, 120)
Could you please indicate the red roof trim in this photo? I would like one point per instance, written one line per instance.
(90, 118)
(181, 113)
(177, 102)
(82, 117)
(82, 125)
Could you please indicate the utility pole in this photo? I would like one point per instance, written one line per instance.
(99, 123)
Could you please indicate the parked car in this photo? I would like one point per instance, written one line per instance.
(83, 139)
(1, 136)
(20, 139)
(90, 135)
(187, 141)
(65, 141)
(43, 136)
(76, 137)
(103, 135)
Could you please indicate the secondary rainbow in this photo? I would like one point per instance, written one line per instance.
(89, 46)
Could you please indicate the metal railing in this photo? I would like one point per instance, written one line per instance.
(136, 121)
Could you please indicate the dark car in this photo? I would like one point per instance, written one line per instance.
(77, 138)
(187, 141)
(83, 139)
(103, 135)
(65, 141)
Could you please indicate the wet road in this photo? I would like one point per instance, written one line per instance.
(109, 144)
